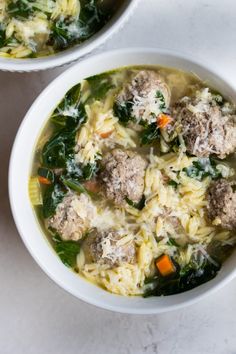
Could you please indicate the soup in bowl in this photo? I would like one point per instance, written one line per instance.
(129, 181)
(41, 34)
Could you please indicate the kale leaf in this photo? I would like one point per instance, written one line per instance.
(20, 8)
(99, 85)
(66, 250)
(123, 111)
(70, 112)
(61, 37)
(58, 149)
(53, 195)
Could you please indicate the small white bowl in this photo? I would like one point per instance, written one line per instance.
(78, 51)
(20, 166)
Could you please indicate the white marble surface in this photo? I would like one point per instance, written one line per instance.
(36, 316)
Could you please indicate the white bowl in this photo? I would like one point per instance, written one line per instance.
(20, 165)
(75, 52)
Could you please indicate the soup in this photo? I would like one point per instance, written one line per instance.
(133, 180)
(30, 29)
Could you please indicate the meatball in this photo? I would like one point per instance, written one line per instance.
(123, 176)
(222, 204)
(148, 94)
(205, 127)
(111, 248)
(73, 216)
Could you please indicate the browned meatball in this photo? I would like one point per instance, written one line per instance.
(111, 248)
(206, 129)
(123, 176)
(73, 216)
(148, 93)
(222, 204)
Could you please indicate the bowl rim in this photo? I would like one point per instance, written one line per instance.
(12, 185)
(73, 53)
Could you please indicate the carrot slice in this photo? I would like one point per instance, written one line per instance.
(163, 120)
(92, 186)
(44, 180)
(106, 134)
(165, 265)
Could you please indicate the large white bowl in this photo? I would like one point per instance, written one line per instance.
(20, 165)
(75, 52)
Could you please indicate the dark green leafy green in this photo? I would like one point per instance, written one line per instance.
(149, 134)
(140, 205)
(73, 169)
(173, 183)
(89, 171)
(53, 195)
(198, 271)
(61, 37)
(20, 8)
(99, 85)
(70, 112)
(79, 171)
(91, 18)
(123, 110)
(203, 168)
(2, 36)
(66, 250)
(57, 150)
(161, 98)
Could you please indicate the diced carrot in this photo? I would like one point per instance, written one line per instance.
(92, 186)
(165, 265)
(106, 134)
(163, 120)
(44, 180)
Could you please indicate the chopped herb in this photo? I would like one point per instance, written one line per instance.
(140, 205)
(161, 98)
(66, 250)
(172, 242)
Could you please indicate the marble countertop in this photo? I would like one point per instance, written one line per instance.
(36, 316)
